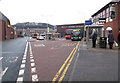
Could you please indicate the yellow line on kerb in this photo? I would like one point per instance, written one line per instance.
(60, 70)
(65, 70)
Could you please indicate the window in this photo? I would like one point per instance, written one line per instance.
(112, 12)
(104, 14)
(107, 12)
(101, 15)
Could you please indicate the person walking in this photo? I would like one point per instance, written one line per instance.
(94, 38)
(110, 39)
(119, 39)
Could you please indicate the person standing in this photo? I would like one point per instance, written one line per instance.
(110, 39)
(94, 38)
(119, 38)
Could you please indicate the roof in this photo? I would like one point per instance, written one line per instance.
(106, 6)
(71, 24)
(4, 18)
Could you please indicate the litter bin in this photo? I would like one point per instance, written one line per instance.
(103, 42)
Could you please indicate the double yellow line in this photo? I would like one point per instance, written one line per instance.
(65, 63)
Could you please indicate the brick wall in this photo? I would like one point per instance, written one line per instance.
(115, 24)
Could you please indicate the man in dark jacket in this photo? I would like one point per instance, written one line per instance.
(119, 38)
(94, 38)
(110, 39)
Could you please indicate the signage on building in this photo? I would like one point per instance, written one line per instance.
(102, 20)
(8, 26)
(88, 22)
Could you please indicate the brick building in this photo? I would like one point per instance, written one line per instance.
(61, 28)
(109, 16)
(6, 31)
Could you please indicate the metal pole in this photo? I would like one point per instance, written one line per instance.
(87, 36)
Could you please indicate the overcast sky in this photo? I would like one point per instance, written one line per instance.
(55, 12)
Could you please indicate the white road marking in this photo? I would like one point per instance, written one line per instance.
(12, 61)
(3, 72)
(25, 55)
(23, 61)
(21, 72)
(32, 64)
(33, 70)
(26, 49)
(22, 66)
(35, 77)
(31, 57)
(39, 45)
(1, 58)
(32, 60)
(24, 58)
(19, 79)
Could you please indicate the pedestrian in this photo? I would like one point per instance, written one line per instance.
(119, 39)
(110, 39)
(94, 38)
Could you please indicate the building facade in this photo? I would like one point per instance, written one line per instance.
(109, 16)
(61, 28)
(6, 31)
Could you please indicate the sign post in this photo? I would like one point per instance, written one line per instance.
(87, 22)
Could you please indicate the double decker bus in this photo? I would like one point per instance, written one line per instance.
(76, 34)
(68, 33)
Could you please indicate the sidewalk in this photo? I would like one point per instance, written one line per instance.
(89, 47)
(95, 64)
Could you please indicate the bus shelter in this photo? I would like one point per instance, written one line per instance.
(90, 30)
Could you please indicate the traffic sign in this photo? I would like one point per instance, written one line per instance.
(88, 22)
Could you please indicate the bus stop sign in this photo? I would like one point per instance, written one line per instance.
(88, 22)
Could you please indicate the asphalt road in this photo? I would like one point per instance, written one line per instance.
(12, 53)
(48, 58)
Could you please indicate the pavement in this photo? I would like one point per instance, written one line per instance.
(94, 65)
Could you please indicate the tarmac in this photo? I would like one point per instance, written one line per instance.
(95, 64)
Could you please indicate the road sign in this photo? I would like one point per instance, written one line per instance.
(88, 22)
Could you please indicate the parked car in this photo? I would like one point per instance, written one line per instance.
(40, 38)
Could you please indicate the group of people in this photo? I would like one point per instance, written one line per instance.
(110, 39)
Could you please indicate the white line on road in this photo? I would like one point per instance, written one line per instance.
(23, 61)
(35, 77)
(20, 79)
(21, 72)
(22, 66)
(1, 58)
(33, 70)
(3, 72)
(32, 60)
(31, 57)
(32, 64)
